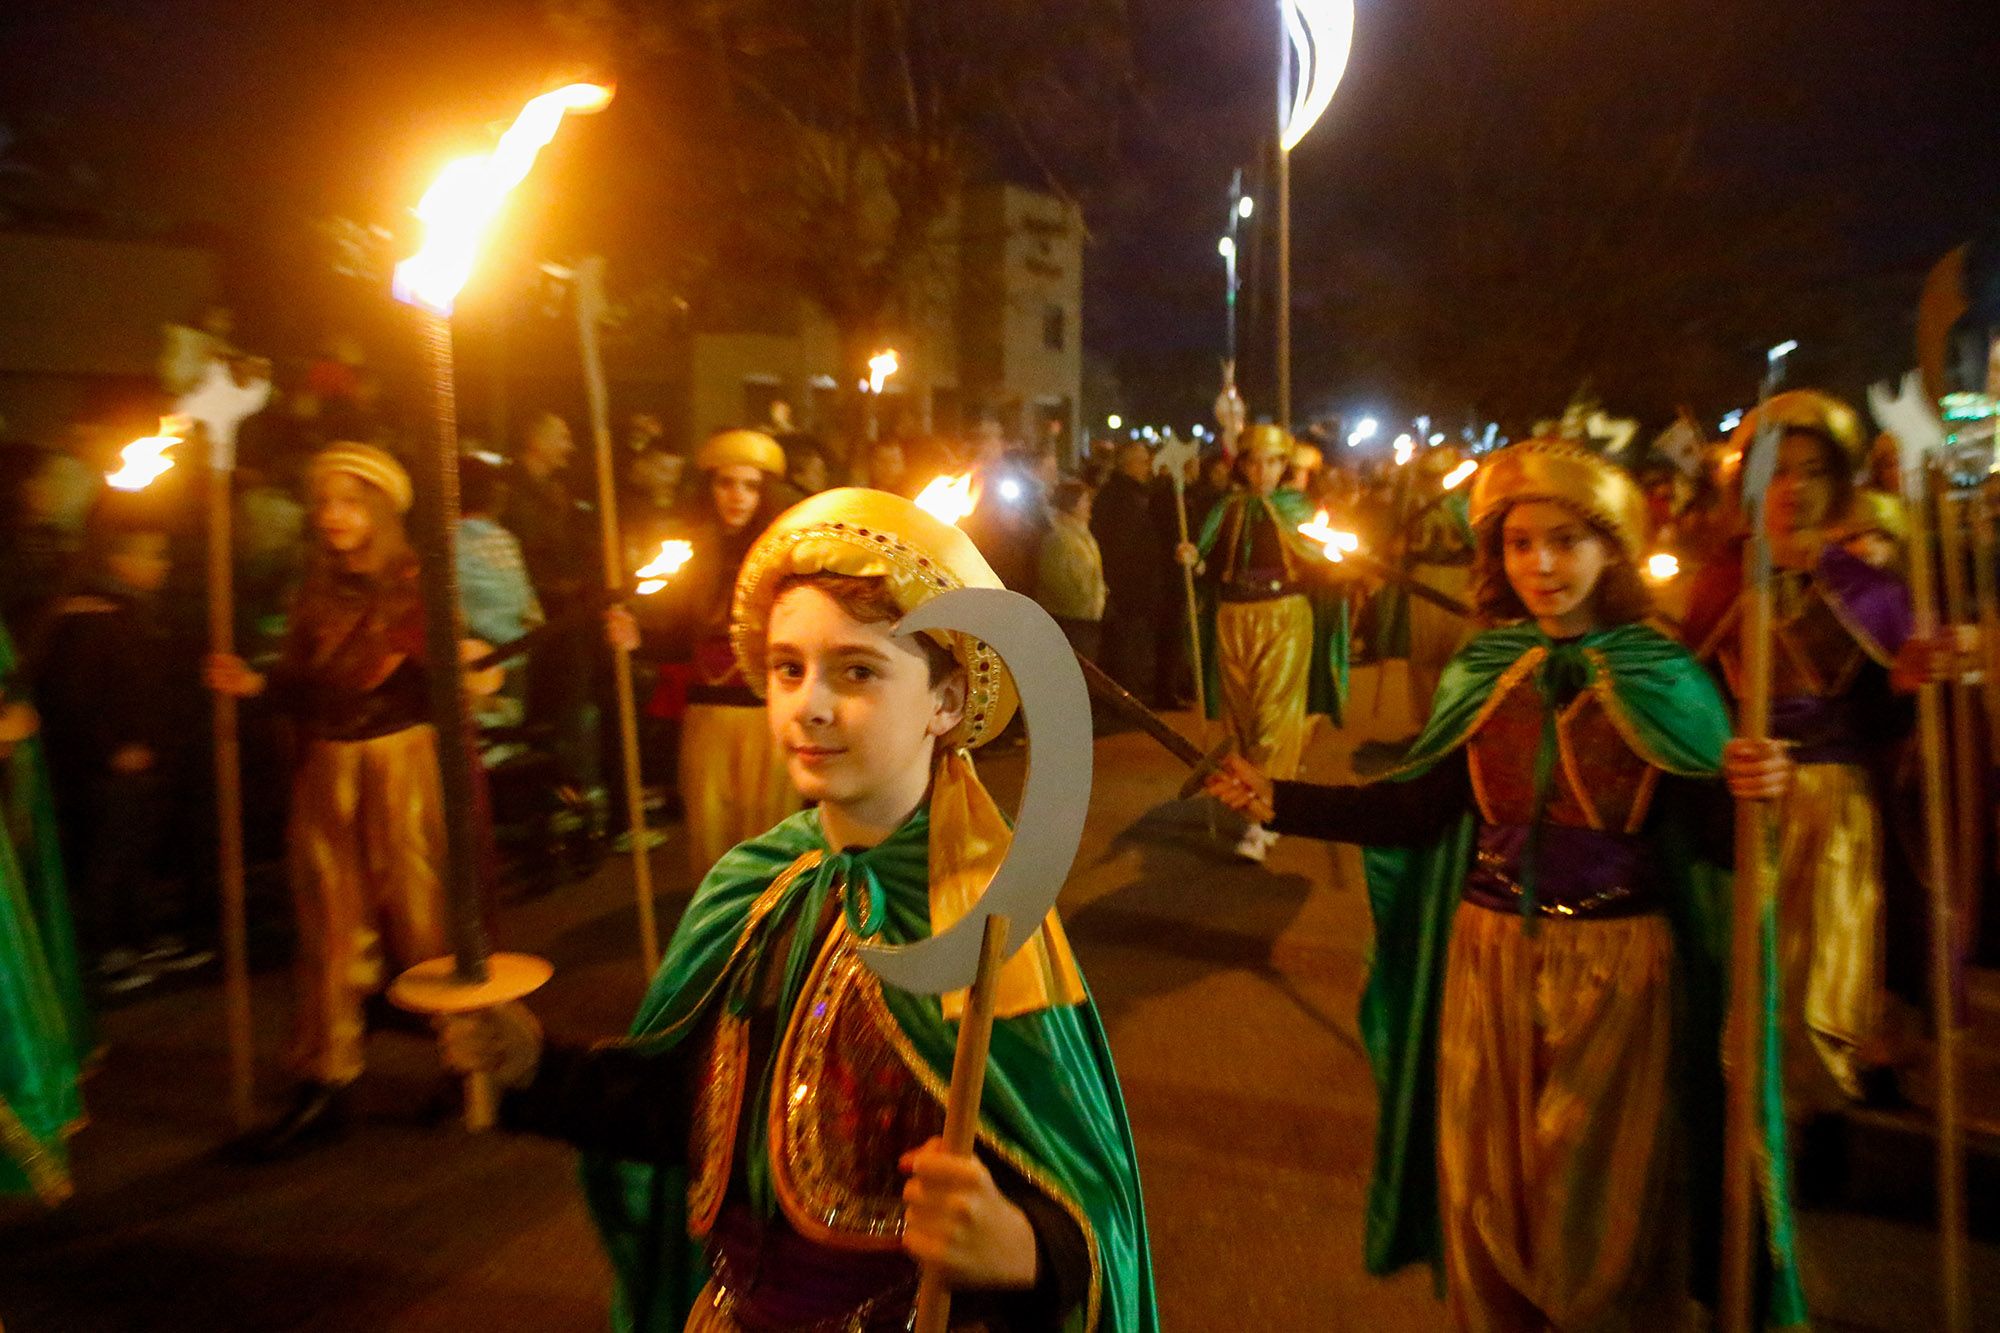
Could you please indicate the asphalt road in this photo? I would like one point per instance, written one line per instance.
(1228, 991)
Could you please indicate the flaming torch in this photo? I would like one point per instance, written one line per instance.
(145, 461)
(653, 575)
(950, 499)
(458, 211)
(1334, 544)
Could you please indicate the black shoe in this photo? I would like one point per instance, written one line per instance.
(317, 1116)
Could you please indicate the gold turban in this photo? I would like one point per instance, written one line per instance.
(1809, 410)
(1308, 457)
(369, 464)
(1569, 475)
(873, 534)
(742, 448)
(1266, 441)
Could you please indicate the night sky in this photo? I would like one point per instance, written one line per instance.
(1846, 145)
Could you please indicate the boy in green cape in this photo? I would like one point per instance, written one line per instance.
(764, 1144)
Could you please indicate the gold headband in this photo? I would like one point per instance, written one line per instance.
(367, 463)
(1569, 475)
(742, 448)
(1809, 410)
(874, 534)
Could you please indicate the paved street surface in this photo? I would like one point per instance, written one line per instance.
(1229, 992)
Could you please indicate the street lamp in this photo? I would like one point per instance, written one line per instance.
(1314, 40)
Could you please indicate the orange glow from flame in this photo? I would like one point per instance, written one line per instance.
(143, 461)
(949, 498)
(459, 208)
(1334, 544)
(654, 574)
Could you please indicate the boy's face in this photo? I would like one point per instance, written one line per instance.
(340, 513)
(1265, 471)
(851, 705)
(140, 561)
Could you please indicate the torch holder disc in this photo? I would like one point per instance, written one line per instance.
(434, 987)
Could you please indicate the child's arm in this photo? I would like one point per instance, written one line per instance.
(614, 1097)
(1375, 814)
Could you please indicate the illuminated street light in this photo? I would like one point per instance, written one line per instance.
(1114, 421)
(1320, 34)
(1245, 207)
(1226, 247)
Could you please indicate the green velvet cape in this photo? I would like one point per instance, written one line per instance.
(1326, 679)
(44, 1027)
(1677, 717)
(1051, 1101)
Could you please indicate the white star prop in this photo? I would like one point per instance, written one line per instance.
(220, 404)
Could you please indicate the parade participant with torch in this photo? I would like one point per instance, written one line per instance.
(1273, 639)
(1547, 870)
(365, 841)
(733, 783)
(810, 1102)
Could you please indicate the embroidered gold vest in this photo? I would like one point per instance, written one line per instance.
(1600, 782)
(845, 1106)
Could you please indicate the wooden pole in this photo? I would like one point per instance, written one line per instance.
(1966, 786)
(1986, 593)
(229, 798)
(961, 1110)
(1751, 894)
(1193, 606)
(1944, 968)
(589, 314)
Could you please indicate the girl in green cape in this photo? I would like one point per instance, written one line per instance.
(1546, 871)
(763, 1146)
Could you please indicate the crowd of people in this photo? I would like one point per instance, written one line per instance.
(1547, 858)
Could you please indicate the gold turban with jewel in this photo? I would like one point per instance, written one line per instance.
(873, 534)
(1570, 475)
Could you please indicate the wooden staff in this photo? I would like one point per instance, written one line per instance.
(1193, 605)
(1966, 786)
(589, 315)
(961, 1109)
(1986, 595)
(229, 794)
(1944, 970)
(1752, 892)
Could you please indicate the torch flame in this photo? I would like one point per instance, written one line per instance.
(1662, 567)
(459, 208)
(1334, 544)
(949, 498)
(880, 367)
(654, 574)
(1457, 476)
(145, 459)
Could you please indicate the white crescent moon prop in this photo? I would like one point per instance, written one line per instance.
(1055, 704)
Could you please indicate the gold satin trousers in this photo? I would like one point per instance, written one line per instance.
(734, 786)
(366, 859)
(1264, 652)
(1556, 1190)
(1830, 940)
